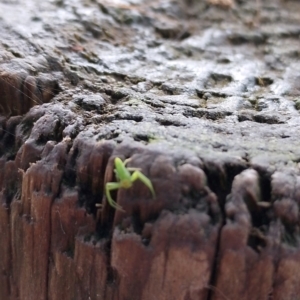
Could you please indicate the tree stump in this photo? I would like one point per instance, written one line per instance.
(202, 97)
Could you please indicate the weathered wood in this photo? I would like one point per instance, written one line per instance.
(204, 104)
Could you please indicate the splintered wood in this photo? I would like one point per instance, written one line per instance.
(222, 3)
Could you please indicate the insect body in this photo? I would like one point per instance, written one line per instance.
(125, 180)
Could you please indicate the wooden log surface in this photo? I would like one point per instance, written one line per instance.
(203, 96)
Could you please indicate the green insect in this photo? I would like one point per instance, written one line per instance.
(125, 180)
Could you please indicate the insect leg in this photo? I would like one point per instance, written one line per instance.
(110, 186)
(138, 175)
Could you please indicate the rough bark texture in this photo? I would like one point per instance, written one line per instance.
(204, 99)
